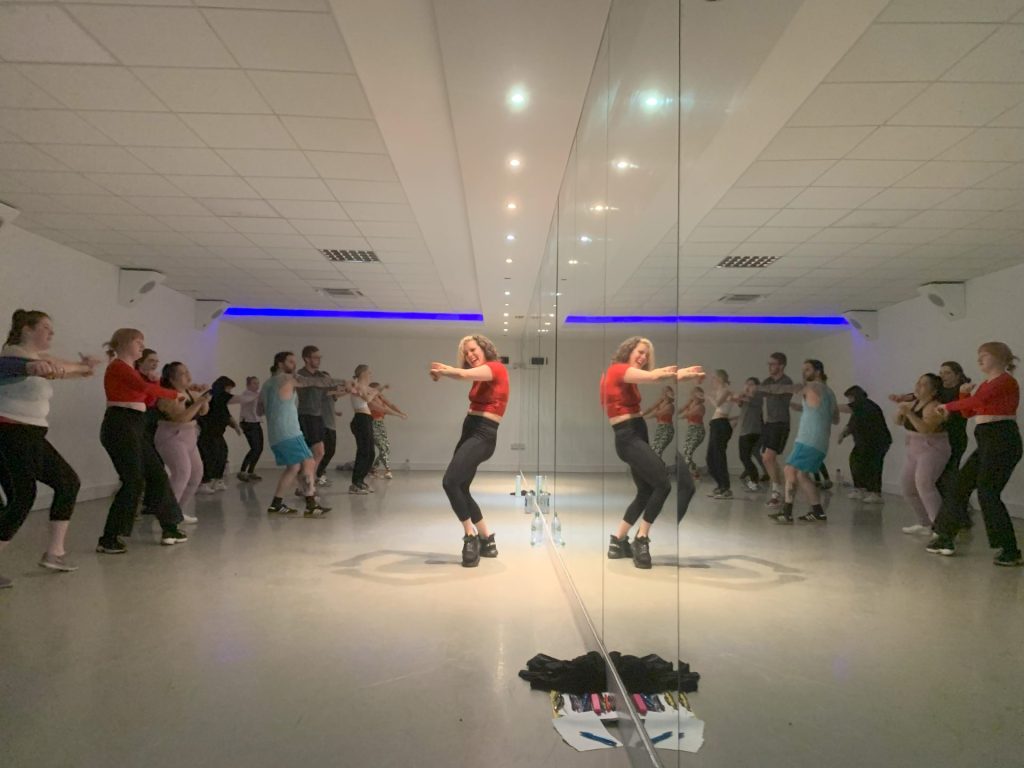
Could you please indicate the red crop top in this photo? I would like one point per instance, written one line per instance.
(491, 396)
(375, 410)
(617, 397)
(997, 397)
(665, 416)
(123, 384)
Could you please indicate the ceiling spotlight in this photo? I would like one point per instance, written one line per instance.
(508, 261)
(511, 205)
(510, 237)
(508, 293)
(547, 322)
(652, 101)
(623, 165)
(505, 314)
(506, 304)
(514, 162)
(586, 239)
(573, 262)
(517, 98)
(552, 314)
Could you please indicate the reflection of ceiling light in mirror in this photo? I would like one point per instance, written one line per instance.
(687, 101)
(517, 98)
(547, 322)
(508, 293)
(511, 205)
(586, 239)
(552, 314)
(514, 162)
(573, 262)
(601, 208)
(508, 261)
(510, 237)
(624, 165)
(505, 314)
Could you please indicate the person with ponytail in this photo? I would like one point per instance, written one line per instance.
(927, 452)
(177, 434)
(26, 456)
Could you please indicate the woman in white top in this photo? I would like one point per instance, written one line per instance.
(719, 434)
(252, 427)
(26, 456)
(362, 428)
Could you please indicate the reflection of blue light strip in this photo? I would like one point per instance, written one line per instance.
(707, 319)
(354, 314)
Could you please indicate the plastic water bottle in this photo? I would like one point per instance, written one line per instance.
(556, 529)
(536, 529)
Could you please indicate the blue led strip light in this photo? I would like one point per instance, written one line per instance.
(354, 314)
(707, 319)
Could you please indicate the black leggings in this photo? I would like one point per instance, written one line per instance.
(988, 470)
(720, 430)
(866, 462)
(362, 429)
(330, 448)
(253, 432)
(122, 434)
(749, 457)
(27, 458)
(475, 446)
(213, 449)
(685, 489)
(649, 472)
(947, 481)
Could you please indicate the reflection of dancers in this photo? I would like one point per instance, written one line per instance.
(379, 408)
(633, 364)
(776, 423)
(693, 412)
(477, 362)
(664, 412)
(252, 428)
(751, 423)
(720, 432)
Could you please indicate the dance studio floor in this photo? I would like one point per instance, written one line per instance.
(358, 640)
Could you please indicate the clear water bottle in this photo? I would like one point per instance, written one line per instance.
(556, 529)
(536, 529)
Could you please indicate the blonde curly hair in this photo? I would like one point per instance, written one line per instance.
(626, 349)
(486, 346)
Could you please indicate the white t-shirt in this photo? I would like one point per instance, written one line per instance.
(25, 400)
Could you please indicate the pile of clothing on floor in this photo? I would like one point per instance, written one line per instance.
(587, 673)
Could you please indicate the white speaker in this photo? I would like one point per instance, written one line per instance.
(949, 298)
(133, 284)
(208, 310)
(8, 213)
(864, 321)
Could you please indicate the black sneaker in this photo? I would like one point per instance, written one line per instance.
(470, 551)
(1009, 558)
(283, 509)
(642, 552)
(112, 546)
(316, 511)
(814, 517)
(172, 536)
(782, 518)
(487, 546)
(619, 549)
(941, 545)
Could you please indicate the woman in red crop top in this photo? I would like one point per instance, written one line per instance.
(477, 362)
(993, 405)
(123, 435)
(632, 364)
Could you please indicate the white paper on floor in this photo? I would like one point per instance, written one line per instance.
(676, 730)
(573, 726)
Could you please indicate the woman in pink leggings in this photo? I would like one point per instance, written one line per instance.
(928, 451)
(177, 434)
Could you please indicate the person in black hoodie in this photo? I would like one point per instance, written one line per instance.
(213, 448)
(871, 441)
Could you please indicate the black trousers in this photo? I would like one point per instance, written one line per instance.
(649, 472)
(866, 462)
(253, 432)
(122, 435)
(28, 458)
(719, 432)
(987, 471)
(330, 448)
(750, 457)
(947, 481)
(475, 446)
(362, 429)
(685, 487)
(213, 449)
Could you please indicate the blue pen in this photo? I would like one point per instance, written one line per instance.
(595, 737)
(660, 737)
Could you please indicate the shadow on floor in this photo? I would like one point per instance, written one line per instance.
(400, 566)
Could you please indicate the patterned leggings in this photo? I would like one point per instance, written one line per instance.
(663, 435)
(382, 445)
(694, 437)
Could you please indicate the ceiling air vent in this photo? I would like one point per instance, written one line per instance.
(342, 292)
(359, 257)
(741, 298)
(746, 262)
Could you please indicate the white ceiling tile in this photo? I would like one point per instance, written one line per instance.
(16, 90)
(805, 217)
(290, 189)
(907, 235)
(1001, 220)
(783, 173)
(997, 60)
(946, 219)
(295, 254)
(833, 197)
(378, 212)
(906, 143)
(739, 217)
(101, 237)
(346, 165)
(25, 157)
(50, 126)
(714, 234)
(751, 248)
(297, 210)
(339, 242)
(1011, 118)
(237, 207)
(130, 223)
(132, 185)
(941, 173)
(847, 234)
(55, 183)
(708, 249)
(396, 244)
(29, 202)
(268, 162)
(960, 104)
(757, 197)
(143, 129)
(367, 191)
(277, 240)
(97, 204)
(246, 251)
(783, 234)
(949, 10)
(326, 227)
(204, 90)
(820, 250)
(171, 206)
(99, 159)
(79, 221)
(45, 33)
(1011, 178)
(313, 95)
(985, 200)
(241, 131)
(907, 52)
(875, 218)
(335, 134)
(845, 104)
(154, 36)
(268, 5)
(218, 238)
(183, 161)
(160, 238)
(991, 144)
(293, 42)
(819, 143)
(969, 236)
(908, 199)
(93, 87)
(192, 223)
(259, 224)
(866, 173)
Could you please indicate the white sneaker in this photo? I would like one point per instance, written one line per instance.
(917, 529)
(873, 498)
(752, 486)
(323, 481)
(856, 494)
(189, 519)
(220, 485)
(206, 489)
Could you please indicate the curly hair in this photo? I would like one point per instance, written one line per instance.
(626, 349)
(486, 346)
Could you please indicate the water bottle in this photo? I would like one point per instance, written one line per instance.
(839, 478)
(556, 529)
(536, 529)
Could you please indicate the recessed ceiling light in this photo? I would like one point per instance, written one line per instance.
(506, 304)
(506, 314)
(508, 261)
(586, 239)
(573, 262)
(505, 330)
(511, 205)
(508, 293)
(552, 314)
(624, 164)
(514, 162)
(547, 322)
(510, 237)
(517, 98)
(653, 100)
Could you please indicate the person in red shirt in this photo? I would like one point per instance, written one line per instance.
(632, 364)
(123, 436)
(477, 362)
(993, 406)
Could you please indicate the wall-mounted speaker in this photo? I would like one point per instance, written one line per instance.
(8, 213)
(864, 321)
(133, 284)
(209, 310)
(538, 361)
(948, 298)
